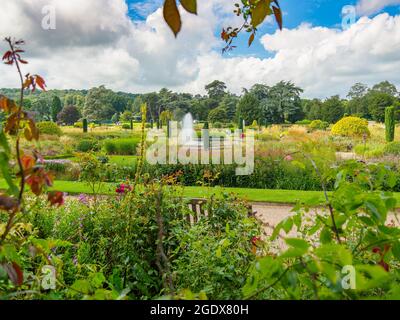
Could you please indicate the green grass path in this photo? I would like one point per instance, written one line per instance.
(253, 195)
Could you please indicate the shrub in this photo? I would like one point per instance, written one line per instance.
(390, 123)
(303, 122)
(126, 126)
(369, 150)
(351, 127)
(319, 125)
(50, 128)
(217, 125)
(123, 147)
(392, 148)
(78, 125)
(87, 145)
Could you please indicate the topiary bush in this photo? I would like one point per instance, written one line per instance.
(390, 123)
(318, 125)
(85, 125)
(50, 128)
(351, 127)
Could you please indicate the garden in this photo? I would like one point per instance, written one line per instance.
(85, 216)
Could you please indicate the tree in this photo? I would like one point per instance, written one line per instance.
(101, 104)
(386, 87)
(377, 103)
(199, 108)
(77, 100)
(216, 89)
(271, 112)
(135, 106)
(312, 109)
(41, 107)
(217, 115)
(357, 104)
(165, 116)
(249, 108)
(151, 99)
(284, 97)
(260, 91)
(69, 115)
(229, 103)
(56, 107)
(127, 116)
(357, 91)
(332, 110)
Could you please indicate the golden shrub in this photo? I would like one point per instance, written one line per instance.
(351, 127)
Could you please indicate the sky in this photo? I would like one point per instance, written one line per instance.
(325, 47)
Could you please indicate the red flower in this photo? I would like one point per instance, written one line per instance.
(123, 188)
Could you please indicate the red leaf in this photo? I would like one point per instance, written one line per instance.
(56, 198)
(28, 162)
(40, 82)
(7, 55)
(278, 16)
(14, 273)
(251, 39)
(172, 16)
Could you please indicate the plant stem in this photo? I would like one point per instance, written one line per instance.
(17, 145)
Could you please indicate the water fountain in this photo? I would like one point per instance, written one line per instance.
(188, 135)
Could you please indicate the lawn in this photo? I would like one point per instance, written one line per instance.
(253, 195)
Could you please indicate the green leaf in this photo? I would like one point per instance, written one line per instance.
(97, 280)
(396, 250)
(218, 252)
(189, 5)
(5, 170)
(298, 248)
(80, 286)
(260, 11)
(376, 213)
(287, 224)
(172, 16)
(297, 243)
(325, 236)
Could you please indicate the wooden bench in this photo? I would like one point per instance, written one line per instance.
(198, 207)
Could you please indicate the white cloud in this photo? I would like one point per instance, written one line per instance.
(367, 7)
(96, 43)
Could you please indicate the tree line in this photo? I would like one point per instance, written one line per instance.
(281, 103)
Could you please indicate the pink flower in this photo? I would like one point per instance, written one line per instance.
(255, 240)
(288, 158)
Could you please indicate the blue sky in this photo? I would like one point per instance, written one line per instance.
(326, 13)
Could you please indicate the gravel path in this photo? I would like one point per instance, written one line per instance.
(272, 214)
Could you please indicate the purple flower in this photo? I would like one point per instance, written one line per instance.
(83, 199)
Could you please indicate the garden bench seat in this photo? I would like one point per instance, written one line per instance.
(199, 210)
